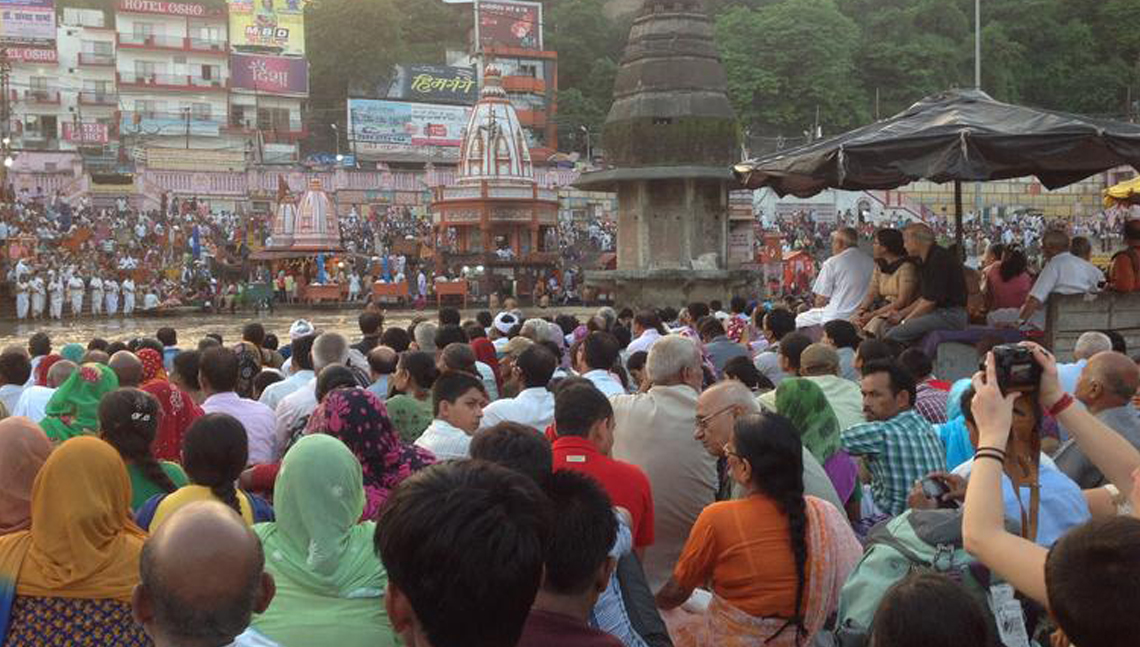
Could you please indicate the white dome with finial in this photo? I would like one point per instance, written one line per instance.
(494, 147)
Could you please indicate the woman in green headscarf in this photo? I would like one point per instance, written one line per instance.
(73, 353)
(803, 402)
(73, 409)
(329, 580)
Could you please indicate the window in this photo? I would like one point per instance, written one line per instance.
(38, 83)
(96, 86)
(145, 71)
(142, 30)
(274, 119)
(200, 111)
(526, 69)
(211, 73)
(96, 47)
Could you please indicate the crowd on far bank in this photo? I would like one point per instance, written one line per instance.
(709, 473)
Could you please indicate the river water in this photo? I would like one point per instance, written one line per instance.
(193, 326)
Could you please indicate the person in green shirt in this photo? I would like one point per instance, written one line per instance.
(128, 421)
(410, 410)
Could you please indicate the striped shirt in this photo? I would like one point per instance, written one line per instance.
(899, 452)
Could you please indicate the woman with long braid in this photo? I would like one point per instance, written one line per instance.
(774, 560)
(214, 453)
(128, 420)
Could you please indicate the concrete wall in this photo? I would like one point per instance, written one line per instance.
(1069, 316)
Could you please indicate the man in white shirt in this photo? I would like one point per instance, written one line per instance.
(39, 295)
(218, 376)
(302, 374)
(842, 281)
(655, 431)
(96, 295)
(597, 355)
(1088, 344)
(55, 291)
(457, 400)
(75, 289)
(15, 369)
(1062, 274)
(294, 409)
(23, 301)
(534, 405)
(111, 289)
(647, 329)
(128, 295)
(33, 401)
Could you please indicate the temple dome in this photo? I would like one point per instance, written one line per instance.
(308, 223)
(494, 147)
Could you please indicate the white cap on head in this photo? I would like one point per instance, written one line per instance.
(300, 328)
(504, 321)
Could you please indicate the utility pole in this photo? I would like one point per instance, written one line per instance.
(978, 86)
(186, 111)
(5, 120)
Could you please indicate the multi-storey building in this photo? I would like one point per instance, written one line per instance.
(172, 70)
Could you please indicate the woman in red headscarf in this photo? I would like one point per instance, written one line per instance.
(178, 409)
(485, 352)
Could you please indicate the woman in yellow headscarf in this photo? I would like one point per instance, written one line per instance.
(68, 579)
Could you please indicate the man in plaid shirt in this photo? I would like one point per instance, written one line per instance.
(929, 400)
(899, 445)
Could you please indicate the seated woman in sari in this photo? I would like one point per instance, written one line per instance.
(178, 409)
(774, 560)
(803, 403)
(73, 409)
(214, 453)
(358, 418)
(329, 580)
(68, 579)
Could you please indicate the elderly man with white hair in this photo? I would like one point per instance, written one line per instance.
(941, 302)
(842, 281)
(655, 431)
(1088, 344)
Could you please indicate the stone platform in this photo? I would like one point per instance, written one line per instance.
(673, 287)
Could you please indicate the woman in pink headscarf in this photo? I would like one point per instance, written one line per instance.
(23, 449)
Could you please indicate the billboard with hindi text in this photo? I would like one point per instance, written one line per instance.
(27, 22)
(276, 26)
(269, 74)
(505, 23)
(435, 84)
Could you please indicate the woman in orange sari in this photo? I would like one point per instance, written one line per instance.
(774, 560)
(68, 579)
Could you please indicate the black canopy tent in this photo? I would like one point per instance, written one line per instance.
(956, 136)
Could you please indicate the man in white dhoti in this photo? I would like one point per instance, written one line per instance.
(55, 295)
(128, 295)
(96, 295)
(111, 289)
(75, 289)
(22, 300)
(39, 295)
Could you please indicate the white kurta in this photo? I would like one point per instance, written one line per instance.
(128, 296)
(22, 300)
(96, 296)
(55, 290)
(111, 289)
(39, 297)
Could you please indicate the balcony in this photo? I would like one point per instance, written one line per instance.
(170, 82)
(524, 84)
(42, 96)
(98, 98)
(90, 59)
(172, 43)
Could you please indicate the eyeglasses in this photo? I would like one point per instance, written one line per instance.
(729, 452)
(703, 422)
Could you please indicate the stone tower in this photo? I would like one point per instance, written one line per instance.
(670, 140)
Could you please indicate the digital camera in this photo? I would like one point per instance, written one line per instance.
(1017, 369)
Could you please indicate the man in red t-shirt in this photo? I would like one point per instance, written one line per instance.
(584, 421)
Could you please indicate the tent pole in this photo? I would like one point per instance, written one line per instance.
(958, 218)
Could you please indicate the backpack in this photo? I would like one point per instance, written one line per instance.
(916, 539)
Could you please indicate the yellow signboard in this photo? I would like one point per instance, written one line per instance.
(268, 25)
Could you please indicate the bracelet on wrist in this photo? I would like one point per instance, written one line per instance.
(1060, 405)
(991, 448)
(988, 455)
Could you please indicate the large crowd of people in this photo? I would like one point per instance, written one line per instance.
(721, 474)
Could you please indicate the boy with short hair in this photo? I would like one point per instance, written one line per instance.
(457, 403)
